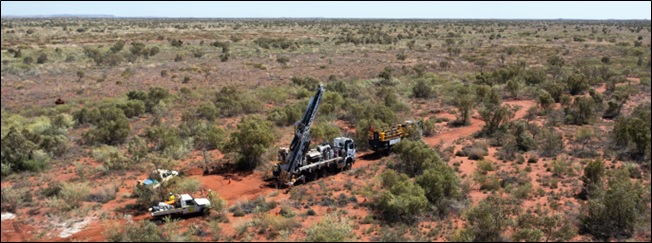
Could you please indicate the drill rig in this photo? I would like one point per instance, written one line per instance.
(299, 163)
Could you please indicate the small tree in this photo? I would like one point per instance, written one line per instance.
(616, 212)
(251, 140)
(577, 84)
(422, 89)
(112, 128)
(464, 101)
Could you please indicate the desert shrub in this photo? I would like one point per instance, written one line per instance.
(530, 227)
(632, 132)
(162, 138)
(429, 127)
(403, 199)
(218, 203)
(213, 137)
(74, 194)
(550, 142)
(475, 151)
(422, 89)
(331, 228)
(309, 83)
(112, 128)
(147, 196)
(186, 185)
(415, 157)
(258, 205)
(19, 154)
(561, 167)
(250, 141)
(151, 99)
(143, 231)
(486, 182)
(495, 117)
(616, 212)
(230, 102)
(440, 183)
(581, 112)
(132, 108)
(485, 166)
(488, 220)
(207, 111)
(523, 137)
(14, 198)
(286, 115)
(28, 60)
(283, 60)
(331, 103)
(42, 58)
(464, 100)
(137, 149)
(323, 131)
(105, 194)
(268, 43)
(594, 172)
(111, 157)
(577, 84)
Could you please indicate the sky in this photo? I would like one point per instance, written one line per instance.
(348, 9)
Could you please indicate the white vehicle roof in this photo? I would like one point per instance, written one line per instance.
(186, 197)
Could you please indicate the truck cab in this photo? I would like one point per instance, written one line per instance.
(345, 147)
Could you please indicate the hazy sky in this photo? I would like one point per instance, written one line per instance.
(436, 10)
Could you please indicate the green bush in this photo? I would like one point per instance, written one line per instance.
(231, 102)
(415, 157)
(581, 112)
(137, 149)
(577, 84)
(251, 140)
(422, 89)
(331, 228)
(402, 200)
(439, 183)
(73, 194)
(143, 231)
(488, 220)
(550, 142)
(186, 185)
(14, 198)
(104, 195)
(531, 228)
(429, 127)
(618, 211)
(309, 83)
(286, 115)
(324, 131)
(632, 132)
(111, 157)
(207, 111)
(112, 128)
(132, 108)
(18, 153)
(212, 138)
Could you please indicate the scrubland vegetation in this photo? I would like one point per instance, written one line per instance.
(533, 130)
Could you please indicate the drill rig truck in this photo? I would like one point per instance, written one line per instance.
(299, 163)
